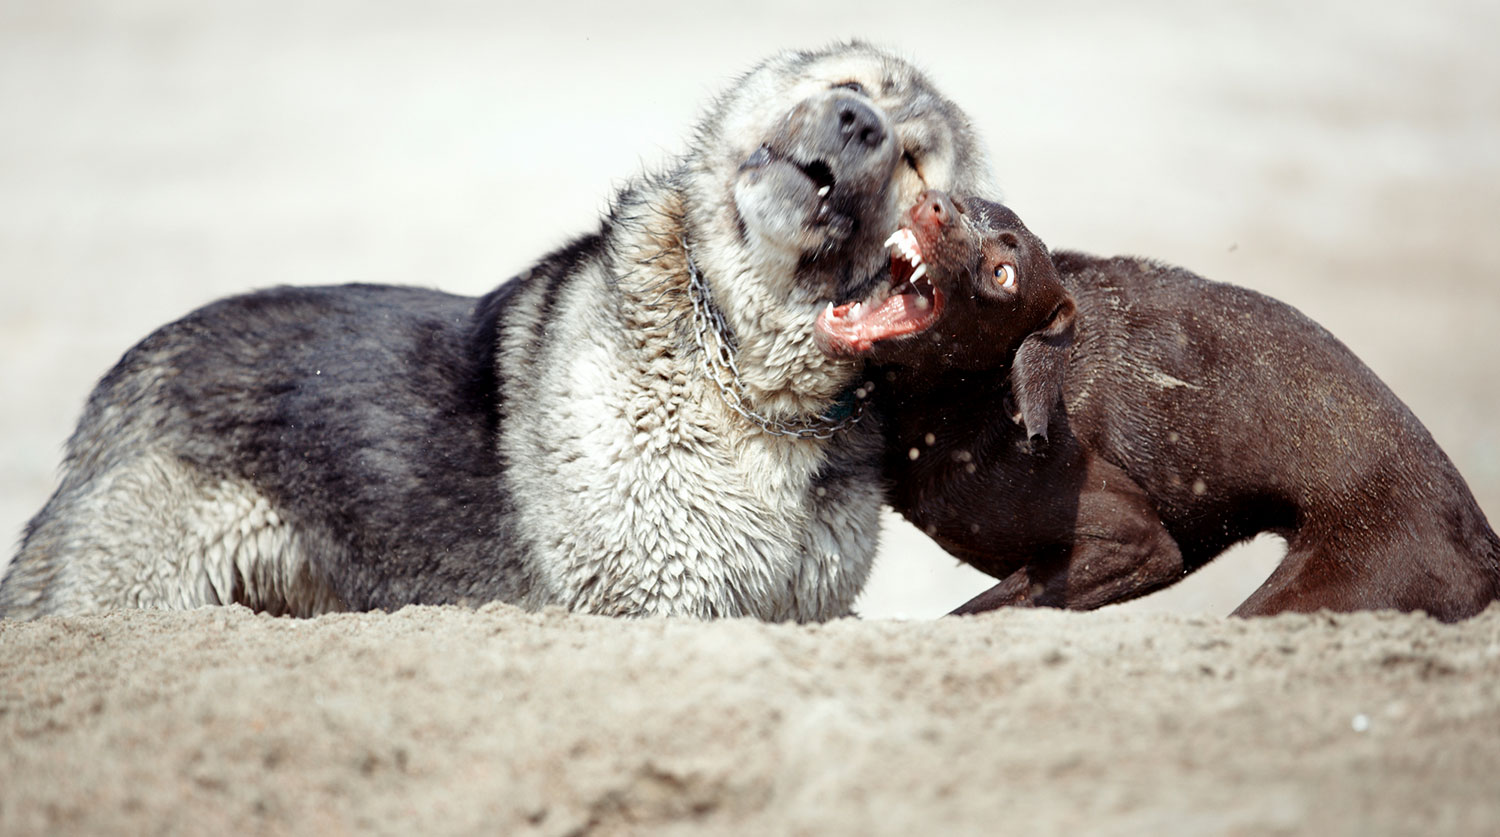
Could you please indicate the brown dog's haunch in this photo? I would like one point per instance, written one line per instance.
(1092, 429)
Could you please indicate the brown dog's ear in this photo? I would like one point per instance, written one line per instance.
(1036, 375)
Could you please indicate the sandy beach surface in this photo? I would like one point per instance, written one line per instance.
(440, 720)
(1341, 156)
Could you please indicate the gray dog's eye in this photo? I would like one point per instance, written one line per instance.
(855, 86)
(1005, 274)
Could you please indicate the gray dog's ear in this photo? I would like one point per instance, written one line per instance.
(1036, 375)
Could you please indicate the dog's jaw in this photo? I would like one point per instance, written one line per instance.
(910, 305)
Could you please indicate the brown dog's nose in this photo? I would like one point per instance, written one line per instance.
(933, 209)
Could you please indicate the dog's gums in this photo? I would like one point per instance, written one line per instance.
(909, 305)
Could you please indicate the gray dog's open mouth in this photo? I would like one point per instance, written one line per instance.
(908, 305)
(824, 183)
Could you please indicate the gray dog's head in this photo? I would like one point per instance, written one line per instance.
(803, 168)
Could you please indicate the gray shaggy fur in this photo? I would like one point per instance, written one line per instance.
(556, 442)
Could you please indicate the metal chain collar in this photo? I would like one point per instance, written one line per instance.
(718, 362)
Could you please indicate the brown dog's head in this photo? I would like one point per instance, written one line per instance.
(971, 289)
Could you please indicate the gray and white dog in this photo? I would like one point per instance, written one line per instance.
(639, 424)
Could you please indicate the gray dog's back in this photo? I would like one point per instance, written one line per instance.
(258, 425)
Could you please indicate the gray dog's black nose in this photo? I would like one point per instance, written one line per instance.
(859, 125)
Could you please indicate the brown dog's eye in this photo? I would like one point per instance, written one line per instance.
(1005, 275)
(855, 86)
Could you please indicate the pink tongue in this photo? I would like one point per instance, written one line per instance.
(900, 314)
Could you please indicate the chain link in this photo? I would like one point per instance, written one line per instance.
(718, 362)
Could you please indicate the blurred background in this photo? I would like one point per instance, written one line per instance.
(158, 154)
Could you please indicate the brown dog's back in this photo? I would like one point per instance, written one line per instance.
(1237, 414)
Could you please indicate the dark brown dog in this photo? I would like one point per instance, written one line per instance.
(1090, 430)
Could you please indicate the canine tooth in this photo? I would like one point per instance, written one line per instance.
(902, 239)
(824, 191)
(829, 313)
(918, 273)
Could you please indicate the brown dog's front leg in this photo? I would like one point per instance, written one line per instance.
(1116, 549)
(1105, 572)
(1011, 592)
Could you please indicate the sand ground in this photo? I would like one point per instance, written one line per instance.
(438, 720)
(1342, 156)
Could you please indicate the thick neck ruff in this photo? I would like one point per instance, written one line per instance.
(716, 345)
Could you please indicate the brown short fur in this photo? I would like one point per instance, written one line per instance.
(1115, 423)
